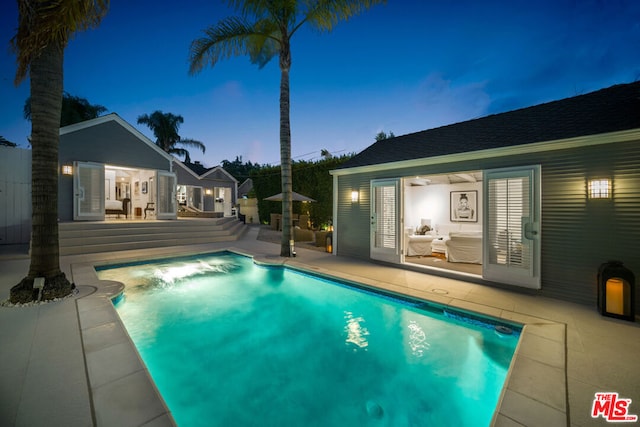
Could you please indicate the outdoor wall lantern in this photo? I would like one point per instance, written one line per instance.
(67, 170)
(600, 188)
(208, 192)
(616, 291)
(355, 196)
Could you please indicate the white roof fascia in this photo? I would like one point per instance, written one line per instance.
(116, 118)
(88, 123)
(222, 169)
(185, 167)
(536, 147)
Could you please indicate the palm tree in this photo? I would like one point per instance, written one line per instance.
(44, 29)
(165, 128)
(5, 142)
(74, 110)
(264, 30)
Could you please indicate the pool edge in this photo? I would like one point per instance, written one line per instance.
(536, 383)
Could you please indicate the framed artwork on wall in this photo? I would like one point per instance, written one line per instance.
(144, 187)
(464, 206)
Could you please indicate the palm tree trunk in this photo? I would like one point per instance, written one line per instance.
(46, 104)
(285, 154)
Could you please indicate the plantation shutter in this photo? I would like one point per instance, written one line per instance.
(511, 222)
(88, 191)
(385, 220)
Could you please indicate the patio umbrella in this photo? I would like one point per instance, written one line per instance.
(296, 197)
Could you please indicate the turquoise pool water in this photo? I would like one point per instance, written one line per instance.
(230, 343)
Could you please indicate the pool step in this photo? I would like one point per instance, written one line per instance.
(110, 236)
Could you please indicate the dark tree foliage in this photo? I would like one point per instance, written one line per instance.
(310, 178)
(240, 171)
(5, 142)
(74, 110)
(382, 135)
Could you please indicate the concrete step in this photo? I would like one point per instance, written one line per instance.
(141, 224)
(133, 230)
(85, 237)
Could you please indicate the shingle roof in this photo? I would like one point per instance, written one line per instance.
(607, 110)
(197, 168)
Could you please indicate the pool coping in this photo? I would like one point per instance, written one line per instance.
(123, 392)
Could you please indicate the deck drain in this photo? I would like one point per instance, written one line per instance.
(440, 291)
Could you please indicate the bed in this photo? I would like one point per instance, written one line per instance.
(117, 207)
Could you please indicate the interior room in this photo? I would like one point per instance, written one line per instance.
(443, 221)
(129, 193)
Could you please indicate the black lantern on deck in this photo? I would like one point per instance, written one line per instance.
(616, 291)
(329, 242)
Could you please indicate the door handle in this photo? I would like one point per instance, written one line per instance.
(527, 227)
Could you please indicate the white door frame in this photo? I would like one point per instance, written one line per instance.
(165, 198)
(386, 220)
(88, 191)
(511, 229)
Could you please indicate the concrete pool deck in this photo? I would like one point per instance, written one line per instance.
(71, 363)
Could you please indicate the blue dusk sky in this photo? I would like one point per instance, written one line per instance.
(402, 67)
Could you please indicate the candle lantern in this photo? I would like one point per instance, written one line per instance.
(616, 291)
(329, 242)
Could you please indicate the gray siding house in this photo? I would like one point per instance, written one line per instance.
(535, 198)
(108, 166)
(109, 169)
(205, 189)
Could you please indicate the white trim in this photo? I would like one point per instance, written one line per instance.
(535, 147)
(220, 168)
(384, 252)
(334, 222)
(529, 227)
(185, 167)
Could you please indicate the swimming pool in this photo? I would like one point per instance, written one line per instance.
(228, 342)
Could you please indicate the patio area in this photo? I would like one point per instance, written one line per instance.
(71, 363)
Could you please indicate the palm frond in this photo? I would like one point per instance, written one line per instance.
(224, 40)
(53, 22)
(193, 143)
(323, 15)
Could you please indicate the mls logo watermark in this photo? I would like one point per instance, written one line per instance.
(612, 408)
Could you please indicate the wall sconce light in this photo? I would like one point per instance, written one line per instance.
(208, 191)
(355, 195)
(600, 188)
(67, 170)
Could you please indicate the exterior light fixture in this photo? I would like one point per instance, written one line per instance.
(600, 188)
(67, 170)
(355, 196)
(208, 191)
